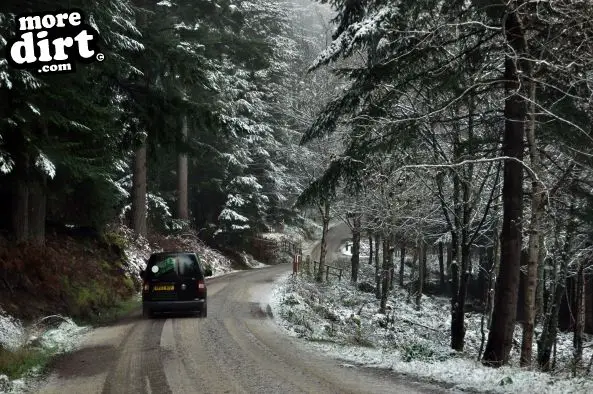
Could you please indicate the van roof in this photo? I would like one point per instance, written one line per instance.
(174, 252)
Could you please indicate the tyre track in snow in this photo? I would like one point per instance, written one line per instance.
(237, 349)
(138, 368)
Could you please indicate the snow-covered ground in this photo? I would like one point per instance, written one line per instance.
(290, 234)
(54, 334)
(11, 332)
(250, 262)
(340, 320)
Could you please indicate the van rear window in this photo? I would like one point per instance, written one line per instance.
(187, 266)
(163, 268)
(167, 267)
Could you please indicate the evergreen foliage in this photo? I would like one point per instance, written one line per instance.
(229, 66)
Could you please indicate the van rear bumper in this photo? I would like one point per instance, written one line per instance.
(170, 306)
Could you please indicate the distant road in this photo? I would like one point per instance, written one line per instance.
(337, 235)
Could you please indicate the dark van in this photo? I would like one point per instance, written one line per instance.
(174, 282)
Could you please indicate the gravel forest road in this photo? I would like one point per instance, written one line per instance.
(238, 348)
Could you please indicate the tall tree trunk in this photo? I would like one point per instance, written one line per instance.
(448, 264)
(421, 273)
(488, 293)
(139, 175)
(424, 262)
(458, 318)
(458, 311)
(579, 318)
(495, 268)
(139, 210)
(402, 264)
(377, 268)
(392, 263)
(370, 248)
(20, 199)
(500, 337)
(411, 284)
(540, 306)
(588, 301)
(37, 209)
(20, 217)
(182, 172)
(456, 251)
(455, 236)
(547, 339)
(484, 260)
(533, 251)
(355, 260)
(324, 210)
(38, 199)
(385, 275)
(442, 279)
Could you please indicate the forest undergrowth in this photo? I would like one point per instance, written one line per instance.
(343, 320)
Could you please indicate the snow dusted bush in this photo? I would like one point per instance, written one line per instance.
(250, 262)
(11, 331)
(308, 230)
(30, 347)
(342, 321)
(5, 385)
(138, 249)
(189, 241)
(57, 334)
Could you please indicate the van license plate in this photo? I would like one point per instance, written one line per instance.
(164, 288)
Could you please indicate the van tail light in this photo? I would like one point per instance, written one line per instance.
(201, 286)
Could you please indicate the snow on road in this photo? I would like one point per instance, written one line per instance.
(340, 320)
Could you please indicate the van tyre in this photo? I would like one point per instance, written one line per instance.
(204, 311)
(147, 313)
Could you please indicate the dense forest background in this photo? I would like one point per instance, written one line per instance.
(467, 127)
(197, 110)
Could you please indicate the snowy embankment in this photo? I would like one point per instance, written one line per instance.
(341, 320)
(139, 251)
(51, 334)
(298, 235)
(59, 334)
(290, 234)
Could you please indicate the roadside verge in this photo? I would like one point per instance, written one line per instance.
(341, 320)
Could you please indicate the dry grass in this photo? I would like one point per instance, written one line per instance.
(74, 277)
(15, 364)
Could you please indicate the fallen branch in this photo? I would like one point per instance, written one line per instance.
(363, 305)
(421, 325)
(49, 317)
